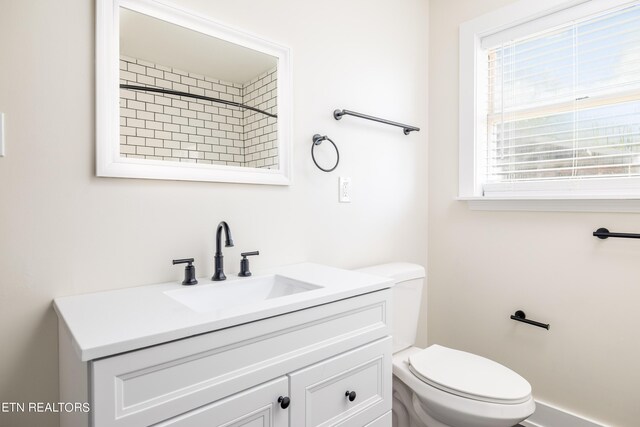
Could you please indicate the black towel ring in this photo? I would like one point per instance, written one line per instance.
(317, 140)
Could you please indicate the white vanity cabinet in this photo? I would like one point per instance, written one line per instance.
(236, 375)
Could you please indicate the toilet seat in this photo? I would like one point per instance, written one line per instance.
(469, 376)
(445, 408)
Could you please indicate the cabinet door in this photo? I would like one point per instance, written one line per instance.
(256, 407)
(384, 421)
(319, 393)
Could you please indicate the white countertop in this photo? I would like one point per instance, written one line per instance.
(106, 323)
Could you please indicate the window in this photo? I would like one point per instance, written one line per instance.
(554, 110)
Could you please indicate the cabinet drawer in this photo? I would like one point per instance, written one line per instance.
(318, 392)
(150, 385)
(384, 421)
(256, 407)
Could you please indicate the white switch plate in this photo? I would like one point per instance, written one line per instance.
(1, 134)
(345, 189)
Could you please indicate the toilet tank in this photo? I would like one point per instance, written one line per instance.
(407, 295)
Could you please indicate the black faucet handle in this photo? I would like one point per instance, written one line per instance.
(244, 263)
(246, 254)
(183, 261)
(189, 271)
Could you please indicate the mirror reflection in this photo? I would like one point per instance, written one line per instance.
(189, 97)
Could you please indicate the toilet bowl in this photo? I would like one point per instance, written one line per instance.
(440, 386)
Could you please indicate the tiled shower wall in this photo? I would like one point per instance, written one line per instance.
(260, 137)
(179, 128)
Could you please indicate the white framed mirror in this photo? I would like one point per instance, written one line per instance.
(180, 96)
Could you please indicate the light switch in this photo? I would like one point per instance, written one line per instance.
(345, 189)
(1, 134)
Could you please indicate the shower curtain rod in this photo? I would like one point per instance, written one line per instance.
(191, 95)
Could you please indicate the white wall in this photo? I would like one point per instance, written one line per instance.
(63, 231)
(485, 265)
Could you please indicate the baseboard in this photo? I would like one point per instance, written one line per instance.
(550, 416)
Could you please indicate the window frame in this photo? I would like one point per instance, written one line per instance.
(525, 17)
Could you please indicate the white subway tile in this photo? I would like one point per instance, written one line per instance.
(151, 124)
(162, 100)
(172, 110)
(144, 97)
(188, 113)
(136, 123)
(127, 94)
(197, 91)
(196, 123)
(127, 112)
(203, 116)
(170, 127)
(146, 151)
(129, 76)
(153, 72)
(172, 77)
(145, 133)
(196, 138)
(127, 149)
(165, 152)
(204, 84)
(179, 103)
(144, 115)
(124, 130)
(162, 118)
(164, 84)
(195, 106)
(180, 87)
(188, 129)
(160, 134)
(188, 81)
(146, 80)
(136, 105)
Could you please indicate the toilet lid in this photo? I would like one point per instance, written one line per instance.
(468, 375)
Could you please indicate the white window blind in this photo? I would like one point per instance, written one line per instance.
(564, 104)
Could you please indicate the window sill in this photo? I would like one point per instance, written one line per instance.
(623, 204)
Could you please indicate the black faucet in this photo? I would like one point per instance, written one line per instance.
(218, 269)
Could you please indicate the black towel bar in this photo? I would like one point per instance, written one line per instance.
(521, 317)
(407, 129)
(603, 233)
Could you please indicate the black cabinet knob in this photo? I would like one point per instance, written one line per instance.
(284, 402)
(351, 395)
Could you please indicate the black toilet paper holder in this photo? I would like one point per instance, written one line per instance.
(520, 316)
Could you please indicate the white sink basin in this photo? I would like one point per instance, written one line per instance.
(239, 292)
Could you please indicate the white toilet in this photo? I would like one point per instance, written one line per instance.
(439, 386)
